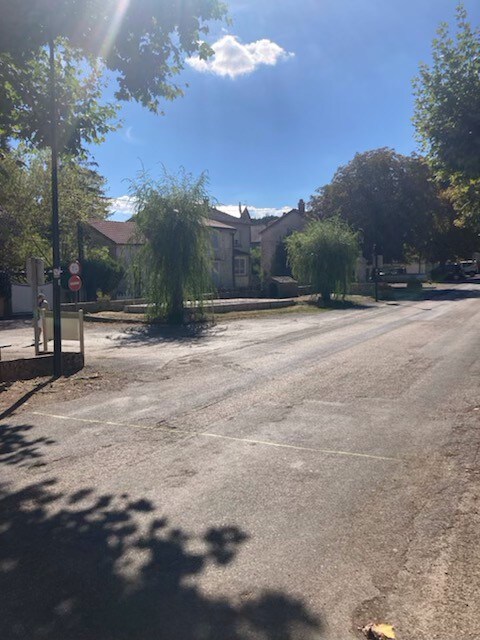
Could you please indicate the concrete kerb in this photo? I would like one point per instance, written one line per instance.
(220, 307)
(225, 306)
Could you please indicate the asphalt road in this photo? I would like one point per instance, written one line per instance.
(283, 478)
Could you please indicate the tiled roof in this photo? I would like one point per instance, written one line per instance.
(218, 225)
(126, 232)
(117, 232)
(227, 218)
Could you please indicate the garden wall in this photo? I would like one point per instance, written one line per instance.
(28, 368)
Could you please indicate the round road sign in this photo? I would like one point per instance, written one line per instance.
(74, 283)
(75, 268)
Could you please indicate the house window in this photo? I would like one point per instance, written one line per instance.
(240, 266)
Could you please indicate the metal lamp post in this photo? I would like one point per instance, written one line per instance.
(375, 262)
(57, 329)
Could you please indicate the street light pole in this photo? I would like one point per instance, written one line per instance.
(375, 261)
(57, 330)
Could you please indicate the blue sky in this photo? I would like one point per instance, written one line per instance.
(296, 88)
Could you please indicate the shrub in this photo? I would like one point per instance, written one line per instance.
(324, 256)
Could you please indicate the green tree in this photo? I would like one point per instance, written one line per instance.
(447, 108)
(265, 220)
(25, 101)
(256, 262)
(25, 195)
(20, 235)
(141, 43)
(176, 257)
(324, 256)
(390, 198)
(100, 272)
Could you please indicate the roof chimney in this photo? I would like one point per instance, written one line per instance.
(301, 207)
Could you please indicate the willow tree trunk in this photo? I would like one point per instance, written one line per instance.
(175, 315)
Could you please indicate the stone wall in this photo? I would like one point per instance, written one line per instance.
(28, 368)
(102, 305)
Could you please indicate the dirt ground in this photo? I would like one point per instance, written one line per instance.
(24, 395)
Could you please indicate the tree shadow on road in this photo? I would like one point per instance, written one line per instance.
(86, 566)
(25, 398)
(17, 449)
(431, 293)
(158, 334)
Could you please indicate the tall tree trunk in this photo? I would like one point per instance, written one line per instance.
(175, 315)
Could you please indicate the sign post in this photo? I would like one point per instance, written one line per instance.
(75, 282)
(375, 262)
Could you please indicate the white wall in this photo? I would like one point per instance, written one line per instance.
(22, 297)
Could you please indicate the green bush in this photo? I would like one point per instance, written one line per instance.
(5, 288)
(414, 284)
(324, 256)
(98, 275)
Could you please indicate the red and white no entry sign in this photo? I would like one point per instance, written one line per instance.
(75, 283)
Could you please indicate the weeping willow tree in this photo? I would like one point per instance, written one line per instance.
(324, 256)
(176, 255)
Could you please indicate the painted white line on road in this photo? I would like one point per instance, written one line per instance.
(89, 421)
(292, 446)
(334, 452)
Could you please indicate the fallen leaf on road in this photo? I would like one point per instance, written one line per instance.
(379, 632)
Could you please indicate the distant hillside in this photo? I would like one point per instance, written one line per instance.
(265, 220)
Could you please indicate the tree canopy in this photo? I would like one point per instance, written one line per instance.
(25, 110)
(324, 256)
(176, 257)
(25, 198)
(139, 43)
(447, 108)
(143, 42)
(447, 115)
(391, 199)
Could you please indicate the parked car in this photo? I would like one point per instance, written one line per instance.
(448, 272)
(389, 274)
(469, 267)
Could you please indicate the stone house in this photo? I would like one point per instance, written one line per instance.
(222, 236)
(242, 242)
(274, 259)
(256, 234)
(121, 238)
(124, 242)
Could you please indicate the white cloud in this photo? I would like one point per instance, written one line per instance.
(255, 212)
(232, 58)
(122, 207)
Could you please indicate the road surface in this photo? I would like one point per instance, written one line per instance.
(283, 478)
